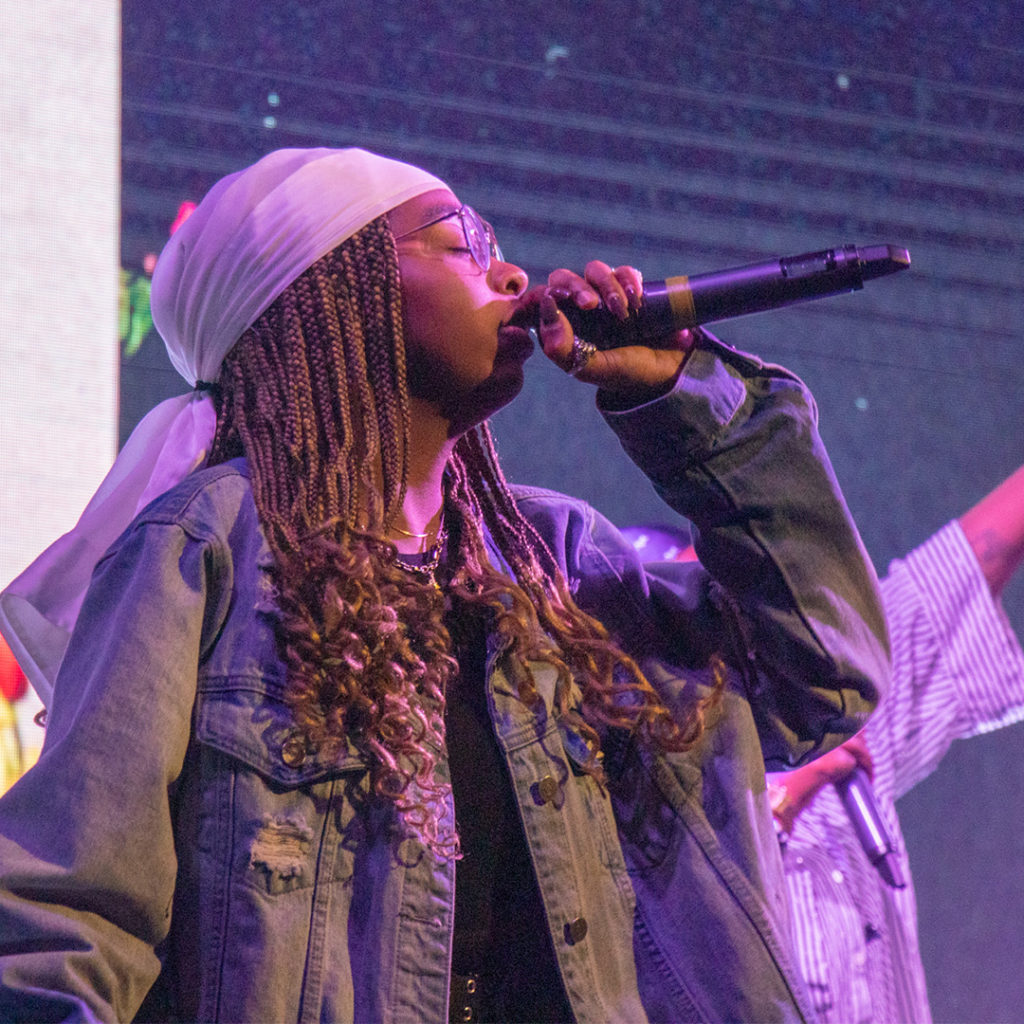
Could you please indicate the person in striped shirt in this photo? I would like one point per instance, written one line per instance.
(958, 670)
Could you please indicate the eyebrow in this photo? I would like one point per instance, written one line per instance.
(434, 213)
(439, 209)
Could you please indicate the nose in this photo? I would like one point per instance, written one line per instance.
(508, 278)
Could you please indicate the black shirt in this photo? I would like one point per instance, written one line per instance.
(501, 931)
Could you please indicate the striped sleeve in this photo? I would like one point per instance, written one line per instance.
(958, 668)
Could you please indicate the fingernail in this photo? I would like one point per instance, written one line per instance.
(631, 296)
(616, 305)
(548, 309)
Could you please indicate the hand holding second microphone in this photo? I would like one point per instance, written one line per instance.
(802, 785)
(850, 769)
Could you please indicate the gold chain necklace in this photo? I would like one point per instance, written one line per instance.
(428, 568)
(415, 536)
(422, 536)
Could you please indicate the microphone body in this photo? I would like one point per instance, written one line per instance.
(680, 302)
(858, 798)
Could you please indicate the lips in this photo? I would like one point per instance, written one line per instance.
(527, 311)
(515, 341)
(518, 333)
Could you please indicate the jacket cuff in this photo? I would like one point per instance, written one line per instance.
(684, 421)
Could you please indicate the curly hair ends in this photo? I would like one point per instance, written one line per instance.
(315, 396)
(545, 623)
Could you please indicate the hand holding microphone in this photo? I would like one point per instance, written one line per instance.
(633, 372)
(643, 330)
(848, 768)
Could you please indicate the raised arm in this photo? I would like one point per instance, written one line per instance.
(994, 528)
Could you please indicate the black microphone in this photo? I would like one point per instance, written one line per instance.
(858, 798)
(679, 302)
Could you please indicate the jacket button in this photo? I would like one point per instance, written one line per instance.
(576, 931)
(293, 750)
(546, 789)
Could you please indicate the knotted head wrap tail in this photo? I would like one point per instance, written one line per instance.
(251, 236)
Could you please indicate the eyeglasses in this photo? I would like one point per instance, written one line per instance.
(480, 240)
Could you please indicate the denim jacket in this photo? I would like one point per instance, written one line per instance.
(177, 854)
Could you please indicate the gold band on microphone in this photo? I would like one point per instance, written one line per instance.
(680, 299)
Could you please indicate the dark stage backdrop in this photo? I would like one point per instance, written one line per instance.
(685, 137)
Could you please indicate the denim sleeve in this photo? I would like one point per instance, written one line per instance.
(87, 856)
(735, 448)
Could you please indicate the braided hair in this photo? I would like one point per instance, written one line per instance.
(315, 396)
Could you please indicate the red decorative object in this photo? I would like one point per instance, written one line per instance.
(13, 683)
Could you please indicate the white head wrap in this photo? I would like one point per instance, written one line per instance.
(254, 233)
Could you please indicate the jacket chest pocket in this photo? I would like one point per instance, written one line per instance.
(278, 816)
